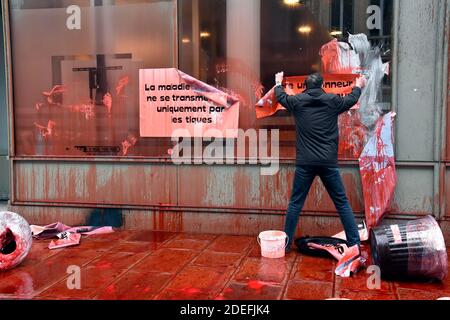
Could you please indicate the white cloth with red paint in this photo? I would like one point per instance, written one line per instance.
(338, 57)
(378, 172)
(377, 161)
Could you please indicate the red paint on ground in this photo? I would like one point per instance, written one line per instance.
(256, 285)
(174, 274)
(191, 291)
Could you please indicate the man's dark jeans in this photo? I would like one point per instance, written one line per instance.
(331, 178)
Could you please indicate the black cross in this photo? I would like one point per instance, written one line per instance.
(97, 78)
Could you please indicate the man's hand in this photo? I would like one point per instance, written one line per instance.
(361, 82)
(279, 78)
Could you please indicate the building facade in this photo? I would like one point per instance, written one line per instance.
(68, 154)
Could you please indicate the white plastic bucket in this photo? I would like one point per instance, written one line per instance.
(273, 244)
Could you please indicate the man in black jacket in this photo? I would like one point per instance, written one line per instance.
(316, 118)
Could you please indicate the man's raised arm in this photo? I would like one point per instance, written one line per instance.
(346, 103)
(282, 97)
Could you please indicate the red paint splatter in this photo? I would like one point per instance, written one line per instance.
(18, 283)
(191, 290)
(108, 102)
(123, 82)
(88, 109)
(46, 131)
(38, 106)
(111, 289)
(103, 265)
(54, 94)
(129, 142)
(352, 135)
(256, 285)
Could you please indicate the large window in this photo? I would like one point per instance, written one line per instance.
(242, 44)
(75, 63)
(75, 70)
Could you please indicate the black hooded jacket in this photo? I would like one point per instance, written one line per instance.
(316, 118)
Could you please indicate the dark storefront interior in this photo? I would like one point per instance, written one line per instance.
(233, 45)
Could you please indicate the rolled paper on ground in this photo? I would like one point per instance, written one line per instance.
(15, 240)
(411, 250)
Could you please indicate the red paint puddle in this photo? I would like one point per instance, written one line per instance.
(256, 285)
(111, 289)
(153, 236)
(259, 285)
(20, 283)
(103, 265)
(191, 291)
